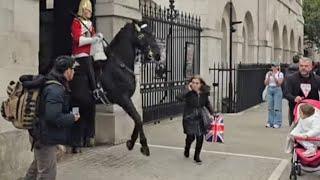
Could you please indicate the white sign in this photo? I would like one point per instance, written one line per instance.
(306, 88)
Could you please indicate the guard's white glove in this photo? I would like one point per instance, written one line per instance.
(88, 40)
(100, 35)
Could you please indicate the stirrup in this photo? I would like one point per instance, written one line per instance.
(99, 94)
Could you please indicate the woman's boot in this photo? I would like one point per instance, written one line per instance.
(189, 141)
(198, 150)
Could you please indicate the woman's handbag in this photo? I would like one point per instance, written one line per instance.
(264, 93)
(205, 116)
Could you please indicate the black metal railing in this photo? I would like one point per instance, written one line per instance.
(248, 84)
(175, 30)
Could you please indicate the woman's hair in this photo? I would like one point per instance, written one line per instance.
(204, 85)
(307, 110)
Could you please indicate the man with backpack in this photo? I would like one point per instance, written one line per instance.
(54, 122)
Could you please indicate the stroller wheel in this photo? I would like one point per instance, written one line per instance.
(293, 173)
(298, 170)
(293, 177)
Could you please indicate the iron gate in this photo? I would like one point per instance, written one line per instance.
(175, 35)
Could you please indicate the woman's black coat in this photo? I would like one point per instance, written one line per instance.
(192, 120)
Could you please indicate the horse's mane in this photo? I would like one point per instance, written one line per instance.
(118, 36)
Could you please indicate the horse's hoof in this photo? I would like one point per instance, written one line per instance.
(145, 150)
(130, 145)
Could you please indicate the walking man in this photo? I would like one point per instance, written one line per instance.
(55, 120)
(303, 84)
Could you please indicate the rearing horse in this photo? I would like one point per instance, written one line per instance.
(117, 75)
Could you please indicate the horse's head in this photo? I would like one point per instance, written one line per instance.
(147, 43)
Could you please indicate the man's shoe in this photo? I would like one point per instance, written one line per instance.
(76, 150)
(90, 142)
(268, 125)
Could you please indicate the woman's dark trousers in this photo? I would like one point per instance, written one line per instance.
(199, 142)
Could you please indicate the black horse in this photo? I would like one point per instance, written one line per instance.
(117, 76)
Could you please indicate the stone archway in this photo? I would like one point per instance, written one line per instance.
(285, 46)
(276, 48)
(225, 29)
(244, 45)
(224, 42)
(248, 39)
(292, 46)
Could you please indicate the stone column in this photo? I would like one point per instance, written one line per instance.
(19, 46)
(277, 55)
(210, 52)
(113, 125)
(253, 51)
(19, 40)
(264, 45)
(237, 49)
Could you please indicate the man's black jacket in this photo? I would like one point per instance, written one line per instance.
(55, 119)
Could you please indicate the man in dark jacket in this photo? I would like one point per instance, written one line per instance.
(293, 68)
(301, 85)
(55, 120)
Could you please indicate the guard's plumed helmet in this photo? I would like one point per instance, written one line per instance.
(84, 4)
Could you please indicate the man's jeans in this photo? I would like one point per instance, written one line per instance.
(44, 165)
(275, 106)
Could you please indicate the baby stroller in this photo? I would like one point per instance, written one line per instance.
(299, 161)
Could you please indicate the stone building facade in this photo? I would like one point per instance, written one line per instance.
(270, 30)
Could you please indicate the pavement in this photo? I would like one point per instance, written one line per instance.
(250, 152)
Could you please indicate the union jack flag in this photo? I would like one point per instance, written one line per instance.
(215, 133)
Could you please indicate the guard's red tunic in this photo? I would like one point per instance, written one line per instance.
(78, 30)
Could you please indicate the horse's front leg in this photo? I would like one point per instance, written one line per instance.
(128, 106)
